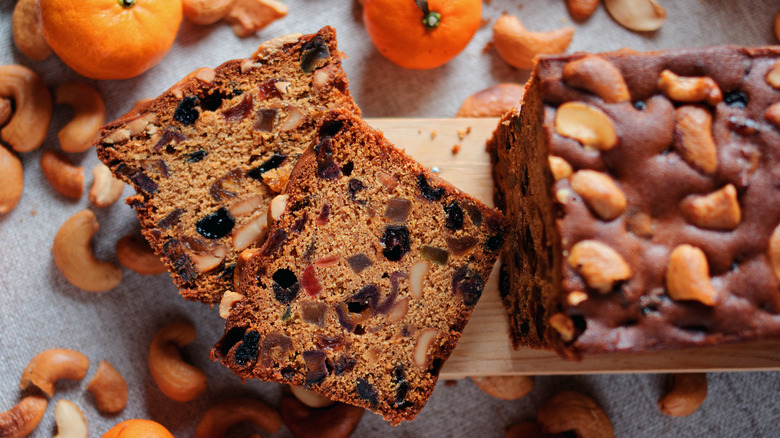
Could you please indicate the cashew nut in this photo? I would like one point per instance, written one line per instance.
(109, 388)
(6, 110)
(639, 15)
(518, 47)
(134, 253)
(336, 421)
(176, 379)
(600, 265)
(249, 16)
(46, 368)
(582, 9)
(73, 255)
(220, 417)
(693, 137)
(106, 189)
(11, 180)
(562, 324)
(599, 76)
(688, 276)
(22, 419)
(774, 251)
(310, 398)
(688, 89)
(684, 394)
(27, 31)
(505, 387)
(66, 178)
(718, 210)
(772, 113)
(575, 412)
(560, 168)
(777, 25)
(70, 420)
(586, 124)
(30, 123)
(206, 11)
(229, 299)
(89, 114)
(600, 192)
(493, 101)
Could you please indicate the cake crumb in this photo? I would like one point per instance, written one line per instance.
(433, 134)
(455, 149)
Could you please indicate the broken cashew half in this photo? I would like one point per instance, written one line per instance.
(639, 15)
(310, 398)
(89, 114)
(575, 412)
(30, 122)
(67, 179)
(220, 417)
(22, 419)
(684, 394)
(134, 253)
(176, 379)
(11, 180)
(47, 367)
(70, 420)
(518, 46)
(206, 11)
(505, 387)
(106, 189)
(73, 255)
(109, 388)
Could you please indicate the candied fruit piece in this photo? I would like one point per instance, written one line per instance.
(314, 312)
(285, 285)
(314, 54)
(355, 185)
(454, 216)
(474, 214)
(359, 262)
(268, 90)
(398, 209)
(322, 218)
(462, 245)
(428, 192)
(216, 225)
(187, 111)
(239, 111)
(309, 281)
(275, 346)
(316, 371)
(435, 254)
(227, 185)
(265, 119)
(468, 284)
(396, 242)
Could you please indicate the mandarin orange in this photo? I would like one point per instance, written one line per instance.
(137, 428)
(110, 39)
(421, 34)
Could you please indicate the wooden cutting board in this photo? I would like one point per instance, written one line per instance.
(485, 348)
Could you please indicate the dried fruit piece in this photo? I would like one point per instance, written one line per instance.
(314, 54)
(462, 245)
(428, 192)
(359, 262)
(310, 282)
(187, 111)
(454, 216)
(398, 209)
(314, 313)
(468, 284)
(435, 254)
(396, 241)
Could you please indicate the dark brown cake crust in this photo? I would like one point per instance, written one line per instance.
(207, 156)
(365, 283)
(693, 251)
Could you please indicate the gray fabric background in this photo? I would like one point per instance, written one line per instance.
(39, 309)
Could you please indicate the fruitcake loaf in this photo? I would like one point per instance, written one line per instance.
(208, 155)
(644, 195)
(367, 278)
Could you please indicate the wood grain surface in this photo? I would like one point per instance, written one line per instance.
(485, 348)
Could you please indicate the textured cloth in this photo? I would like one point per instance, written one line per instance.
(39, 309)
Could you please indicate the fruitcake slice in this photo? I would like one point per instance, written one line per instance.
(367, 278)
(208, 155)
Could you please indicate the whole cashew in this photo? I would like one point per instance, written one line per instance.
(639, 15)
(70, 420)
(582, 9)
(11, 180)
(684, 394)
(336, 421)
(220, 417)
(46, 368)
(249, 16)
(6, 110)
(310, 398)
(134, 253)
(89, 114)
(176, 379)
(505, 387)
(73, 255)
(27, 31)
(30, 123)
(22, 419)
(575, 412)
(66, 178)
(106, 189)
(206, 11)
(492, 101)
(109, 388)
(518, 47)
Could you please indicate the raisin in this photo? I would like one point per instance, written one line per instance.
(275, 161)
(468, 284)
(299, 223)
(428, 192)
(494, 242)
(402, 388)
(366, 298)
(182, 266)
(196, 156)
(355, 185)
(216, 225)
(347, 168)
(187, 112)
(366, 391)
(167, 137)
(231, 338)
(240, 111)
(285, 286)
(170, 219)
(388, 303)
(322, 218)
(212, 101)
(396, 242)
(640, 105)
(247, 351)
(343, 364)
(273, 242)
(344, 320)
(314, 54)
(328, 169)
(359, 262)
(265, 119)
(454, 216)
(736, 99)
(329, 128)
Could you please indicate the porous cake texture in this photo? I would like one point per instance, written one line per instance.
(643, 191)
